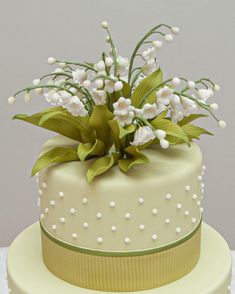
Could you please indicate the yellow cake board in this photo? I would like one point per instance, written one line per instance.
(27, 273)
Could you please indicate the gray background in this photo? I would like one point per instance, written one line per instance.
(30, 31)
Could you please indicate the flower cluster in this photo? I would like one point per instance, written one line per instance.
(131, 93)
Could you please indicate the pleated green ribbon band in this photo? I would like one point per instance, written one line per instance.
(121, 271)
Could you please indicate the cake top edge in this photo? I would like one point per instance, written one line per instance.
(117, 107)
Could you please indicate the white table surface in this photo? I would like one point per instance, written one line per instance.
(3, 275)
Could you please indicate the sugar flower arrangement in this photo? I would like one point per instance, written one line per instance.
(114, 108)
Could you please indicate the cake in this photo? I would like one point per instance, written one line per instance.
(121, 185)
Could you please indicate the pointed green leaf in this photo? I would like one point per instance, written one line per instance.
(81, 123)
(134, 157)
(194, 132)
(55, 155)
(99, 122)
(126, 90)
(101, 165)
(88, 149)
(61, 127)
(145, 86)
(190, 118)
(170, 128)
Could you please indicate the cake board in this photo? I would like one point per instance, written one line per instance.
(27, 273)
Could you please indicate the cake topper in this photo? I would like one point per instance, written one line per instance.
(117, 107)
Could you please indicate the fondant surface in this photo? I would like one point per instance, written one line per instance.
(149, 207)
(27, 273)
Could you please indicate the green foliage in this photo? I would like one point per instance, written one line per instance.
(146, 86)
(133, 157)
(88, 150)
(55, 155)
(101, 165)
(194, 132)
(190, 118)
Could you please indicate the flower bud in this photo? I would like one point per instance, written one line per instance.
(86, 84)
(51, 60)
(11, 100)
(99, 83)
(168, 38)
(216, 88)
(157, 44)
(36, 82)
(118, 86)
(176, 81)
(27, 97)
(104, 24)
(222, 124)
(191, 84)
(214, 106)
(175, 30)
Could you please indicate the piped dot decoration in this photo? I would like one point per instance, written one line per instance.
(187, 188)
(168, 196)
(44, 185)
(186, 213)
(179, 206)
(113, 228)
(85, 225)
(42, 216)
(194, 220)
(74, 235)
(62, 220)
(46, 210)
(52, 203)
(178, 230)
(100, 240)
(40, 192)
(154, 211)
(154, 237)
(72, 210)
(84, 200)
(127, 240)
(141, 227)
(194, 196)
(54, 227)
(167, 221)
(99, 215)
(61, 194)
(141, 200)
(127, 215)
(112, 204)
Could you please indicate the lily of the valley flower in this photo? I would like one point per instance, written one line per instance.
(99, 96)
(205, 94)
(125, 119)
(122, 65)
(150, 111)
(122, 106)
(79, 75)
(176, 115)
(143, 135)
(189, 106)
(165, 95)
(53, 97)
(76, 107)
(65, 98)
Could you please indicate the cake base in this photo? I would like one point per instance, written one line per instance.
(27, 273)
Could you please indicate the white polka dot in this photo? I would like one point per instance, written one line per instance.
(202, 191)
(194, 220)
(99, 240)
(127, 240)
(141, 200)
(84, 200)
(72, 210)
(194, 196)
(9, 290)
(167, 220)
(44, 185)
(85, 225)
(155, 211)
(127, 215)
(62, 220)
(39, 202)
(99, 215)
(168, 196)
(229, 289)
(113, 228)
(46, 210)
(204, 167)
(112, 204)
(42, 216)
(154, 237)
(179, 205)
(199, 178)
(74, 235)
(202, 185)
(203, 173)
(40, 192)
(201, 209)
(61, 194)
(141, 227)
(54, 227)
(52, 202)
(186, 213)
(187, 188)
(178, 230)
(198, 203)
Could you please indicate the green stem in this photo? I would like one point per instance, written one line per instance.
(113, 52)
(78, 63)
(42, 86)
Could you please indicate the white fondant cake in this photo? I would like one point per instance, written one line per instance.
(152, 207)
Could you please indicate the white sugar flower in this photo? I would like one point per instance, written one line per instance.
(175, 101)
(150, 111)
(109, 86)
(168, 37)
(122, 106)
(176, 115)
(149, 67)
(27, 97)
(39, 91)
(143, 135)
(86, 84)
(222, 124)
(118, 86)
(157, 44)
(99, 83)
(53, 97)
(109, 61)
(58, 70)
(99, 96)
(51, 60)
(160, 134)
(161, 107)
(122, 64)
(164, 143)
(59, 82)
(191, 84)
(125, 119)
(188, 105)
(165, 95)
(100, 66)
(76, 107)
(149, 54)
(62, 65)
(204, 94)
(138, 112)
(65, 98)
(176, 81)
(175, 30)
(79, 75)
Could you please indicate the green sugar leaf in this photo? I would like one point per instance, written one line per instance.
(190, 118)
(194, 132)
(101, 165)
(145, 86)
(134, 157)
(88, 150)
(55, 155)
